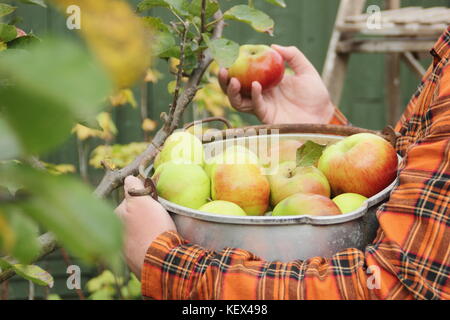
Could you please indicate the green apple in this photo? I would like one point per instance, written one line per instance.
(306, 204)
(349, 202)
(232, 155)
(363, 163)
(181, 147)
(186, 184)
(290, 179)
(223, 207)
(242, 184)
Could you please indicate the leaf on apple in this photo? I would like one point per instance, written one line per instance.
(224, 51)
(309, 153)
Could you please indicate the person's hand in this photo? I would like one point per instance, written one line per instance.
(299, 98)
(144, 220)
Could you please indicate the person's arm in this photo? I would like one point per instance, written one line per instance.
(410, 254)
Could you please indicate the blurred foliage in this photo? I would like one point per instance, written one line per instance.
(106, 286)
(52, 87)
(116, 156)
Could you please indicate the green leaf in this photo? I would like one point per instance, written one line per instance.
(150, 4)
(309, 153)
(35, 274)
(7, 32)
(36, 2)
(47, 89)
(82, 223)
(23, 42)
(25, 247)
(258, 20)
(224, 51)
(279, 3)
(6, 9)
(179, 6)
(195, 8)
(9, 144)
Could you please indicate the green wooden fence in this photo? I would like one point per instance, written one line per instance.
(306, 24)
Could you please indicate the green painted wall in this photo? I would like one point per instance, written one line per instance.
(306, 24)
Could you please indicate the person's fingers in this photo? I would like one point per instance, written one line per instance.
(121, 209)
(233, 92)
(257, 97)
(294, 58)
(223, 79)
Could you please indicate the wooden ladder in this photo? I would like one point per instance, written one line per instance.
(402, 33)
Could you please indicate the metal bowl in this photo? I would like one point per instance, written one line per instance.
(282, 238)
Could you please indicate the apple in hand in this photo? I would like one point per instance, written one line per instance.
(306, 204)
(181, 147)
(363, 163)
(258, 63)
(291, 179)
(349, 202)
(186, 184)
(223, 207)
(242, 184)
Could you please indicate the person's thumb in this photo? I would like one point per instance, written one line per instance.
(131, 183)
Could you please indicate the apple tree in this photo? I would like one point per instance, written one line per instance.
(51, 87)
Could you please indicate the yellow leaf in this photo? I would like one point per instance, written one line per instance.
(84, 132)
(109, 129)
(153, 76)
(58, 169)
(117, 36)
(149, 125)
(123, 97)
(3, 46)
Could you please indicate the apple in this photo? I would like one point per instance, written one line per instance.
(186, 184)
(306, 204)
(290, 179)
(242, 184)
(258, 63)
(181, 147)
(235, 154)
(349, 202)
(223, 207)
(284, 150)
(363, 163)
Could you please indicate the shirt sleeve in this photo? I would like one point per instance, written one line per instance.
(410, 257)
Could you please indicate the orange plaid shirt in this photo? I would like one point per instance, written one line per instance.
(411, 250)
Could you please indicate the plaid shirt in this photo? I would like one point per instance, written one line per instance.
(411, 250)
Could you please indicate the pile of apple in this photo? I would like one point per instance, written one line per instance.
(309, 179)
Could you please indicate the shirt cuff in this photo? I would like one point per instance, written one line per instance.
(339, 118)
(155, 264)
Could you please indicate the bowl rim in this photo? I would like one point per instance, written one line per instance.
(282, 220)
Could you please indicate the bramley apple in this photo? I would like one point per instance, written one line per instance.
(258, 63)
(306, 204)
(363, 163)
(349, 202)
(181, 147)
(232, 155)
(290, 179)
(223, 207)
(242, 184)
(185, 184)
